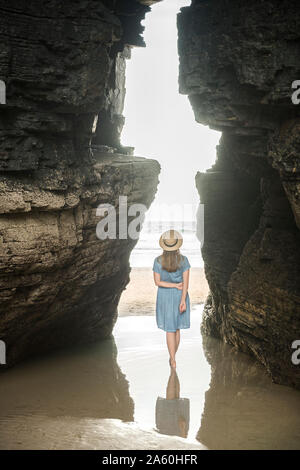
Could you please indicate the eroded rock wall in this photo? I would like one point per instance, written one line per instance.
(238, 60)
(60, 157)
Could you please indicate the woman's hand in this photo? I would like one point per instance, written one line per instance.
(179, 285)
(182, 306)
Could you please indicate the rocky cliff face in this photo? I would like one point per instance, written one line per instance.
(237, 63)
(60, 157)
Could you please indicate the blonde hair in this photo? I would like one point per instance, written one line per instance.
(170, 260)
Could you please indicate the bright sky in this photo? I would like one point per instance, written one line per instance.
(160, 122)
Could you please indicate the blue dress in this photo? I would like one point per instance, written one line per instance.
(168, 316)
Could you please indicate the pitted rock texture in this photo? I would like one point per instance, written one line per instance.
(59, 283)
(60, 157)
(238, 61)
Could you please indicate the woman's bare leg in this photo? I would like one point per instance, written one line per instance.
(177, 336)
(171, 343)
(173, 387)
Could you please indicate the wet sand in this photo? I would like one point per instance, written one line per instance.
(107, 396)
(140, 294)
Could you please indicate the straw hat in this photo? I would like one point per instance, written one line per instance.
(170, 240)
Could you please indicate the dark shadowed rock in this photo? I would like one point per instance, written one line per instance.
(237, 64)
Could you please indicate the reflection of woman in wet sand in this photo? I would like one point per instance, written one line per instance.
(172, 414)
(171, 275)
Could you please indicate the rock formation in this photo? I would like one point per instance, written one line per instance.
(63, 64)
(238, 61)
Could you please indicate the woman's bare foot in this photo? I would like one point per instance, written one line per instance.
(173, 363)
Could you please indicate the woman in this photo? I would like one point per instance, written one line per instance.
(171, 275)
(172, 414)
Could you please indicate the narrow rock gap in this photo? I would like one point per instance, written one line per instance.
(159, 123)
(62, 154)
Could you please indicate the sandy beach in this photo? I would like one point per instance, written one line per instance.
(139, 296)
(112, 394)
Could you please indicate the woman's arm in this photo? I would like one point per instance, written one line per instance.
(185, 286)
(160, 283)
